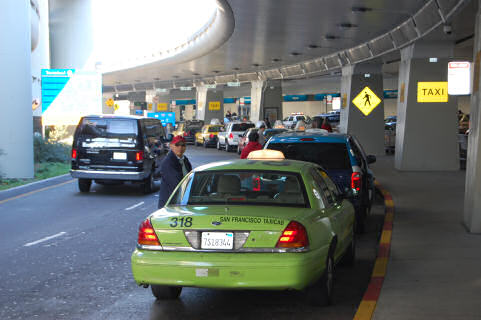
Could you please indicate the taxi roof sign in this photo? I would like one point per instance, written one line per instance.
(266, 154)
(366, 101)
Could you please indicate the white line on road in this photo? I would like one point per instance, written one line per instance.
(44, 239)
(135, 206)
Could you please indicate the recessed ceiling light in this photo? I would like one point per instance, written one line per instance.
(361, 9)
(137, 80)
(347, 25)
(195, 74)
(256, 65)
(215, 71)
(294, 53)
(175, 76)
(157, 79)
(276, 60)
(313, 46)
(330, 37)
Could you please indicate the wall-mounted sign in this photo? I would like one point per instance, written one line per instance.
(459, 77)
(185, 88)
(149, 106)
(214, 105)
(162, 106)
(433, 91)
(210, 86)
(233, 84)
(110, 102)
(366, 101)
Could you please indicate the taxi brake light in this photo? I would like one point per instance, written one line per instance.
(211, 136)
(186, 134)
(74, 153)
(139, 156)
(293, 236)
(231, 136)
(147, 234)
(356, 181)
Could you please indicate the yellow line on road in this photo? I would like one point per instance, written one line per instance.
(35, 191)
(380, 267)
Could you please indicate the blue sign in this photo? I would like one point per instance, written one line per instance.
(164, 117)
(323, 96)
(53, 82)
(183, 102)
(229, 100)
(295, 97)
(390, 94)
(139, 112)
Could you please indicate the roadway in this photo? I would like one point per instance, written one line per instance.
(66, 255)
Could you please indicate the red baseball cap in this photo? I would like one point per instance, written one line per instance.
(177, 139)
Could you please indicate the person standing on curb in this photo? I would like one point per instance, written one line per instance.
(173, 168)
(253, 145)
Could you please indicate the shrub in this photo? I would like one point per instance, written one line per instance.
(50, 150)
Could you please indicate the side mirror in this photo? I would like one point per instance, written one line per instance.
(371, 159)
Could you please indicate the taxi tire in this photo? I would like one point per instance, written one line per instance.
(320, 294)
(218, 145)
(205, 144)
(84, 185)
(238, 150)
(166, 292)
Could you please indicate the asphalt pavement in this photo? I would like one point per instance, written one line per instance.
(66, 255)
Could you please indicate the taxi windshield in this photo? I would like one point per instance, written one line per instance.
(266, 188)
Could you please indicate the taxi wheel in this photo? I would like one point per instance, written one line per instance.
(227, 147)
(205, 144)
(238, 150)
(321, 293)
(218, 145)
(148, 184)
(84, 185)
(166, 292)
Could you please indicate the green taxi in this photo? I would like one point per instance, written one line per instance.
(247, 224)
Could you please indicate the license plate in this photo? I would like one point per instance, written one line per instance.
(217, 240)
(120, 156)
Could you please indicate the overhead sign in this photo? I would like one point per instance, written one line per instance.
(210, 86)
(459, 76)
(185, 88)
(433, 91)
(214, 105)
(162, 106)
(233, 84)
(366, 101)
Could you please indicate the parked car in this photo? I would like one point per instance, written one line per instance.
(207, 136)
(248, 224)
(291, 121)
(342, 157)
(188, 129)
(110, 148)
(230, 137)
(390, 123)
(244, 139)
(334, 117)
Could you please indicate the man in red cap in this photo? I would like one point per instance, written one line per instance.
(173, 168)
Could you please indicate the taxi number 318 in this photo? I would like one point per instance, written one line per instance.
(181, 222)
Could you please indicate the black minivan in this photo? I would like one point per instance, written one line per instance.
(112, 148)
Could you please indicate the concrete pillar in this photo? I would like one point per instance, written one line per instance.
(16, 128)
(266, 100)
(368, 129)
(426, 132)
(71, 34)
(210, 104)
(472, 201)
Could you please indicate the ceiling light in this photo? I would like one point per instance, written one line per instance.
(294, 53)
(347, 25)
(360, 9)
(367, 75)
(195, 74)
(137, 80)
(276, 60)
(313, 46)
(256, 65)
(215, 71)
(433, 59)
(330, 37)
(157, 79)
(236, 69)
(175, 76)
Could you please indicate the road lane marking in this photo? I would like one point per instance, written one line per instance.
(134, 206)
(35, 191)
(45, 239)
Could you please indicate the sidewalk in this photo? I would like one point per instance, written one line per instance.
(434, 269)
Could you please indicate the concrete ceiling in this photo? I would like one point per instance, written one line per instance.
(325, 34)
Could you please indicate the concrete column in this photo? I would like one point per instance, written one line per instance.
(71, 34)
(368, 129)
(472, 201)
(426, 133)
(210, 104)
(16, 128)
(266, 100)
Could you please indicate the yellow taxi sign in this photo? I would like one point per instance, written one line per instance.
(266, 154)
(366, 101)
(162, 106)
(214, 105)
(433, 91)
(110, 102)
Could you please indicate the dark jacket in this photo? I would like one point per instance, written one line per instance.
(171, 172)
(251, 146)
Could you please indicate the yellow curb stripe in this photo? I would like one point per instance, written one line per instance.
(386, 237)
(365, 310)
(389, 203)
(380, 267)
(35, 191)
(389, 217)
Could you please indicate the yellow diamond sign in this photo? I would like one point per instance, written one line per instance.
(366, 101)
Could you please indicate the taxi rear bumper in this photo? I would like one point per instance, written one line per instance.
(265, 271)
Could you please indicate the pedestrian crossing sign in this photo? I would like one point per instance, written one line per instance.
(366, 101)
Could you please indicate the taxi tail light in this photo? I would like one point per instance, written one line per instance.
(356, 181)
(147, 234)
(293, 236)
(211, 136)
(139, 156)
(74, 153)
(231, 136)
(186, 134)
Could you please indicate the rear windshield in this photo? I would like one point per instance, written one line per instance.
(242, 126)
(214, 129)
(108, 132)
(331, 156)
(242, 187)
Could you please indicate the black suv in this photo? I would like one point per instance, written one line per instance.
(110, 148)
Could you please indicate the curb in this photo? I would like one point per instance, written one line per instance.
(368, 303)
(34, 183)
